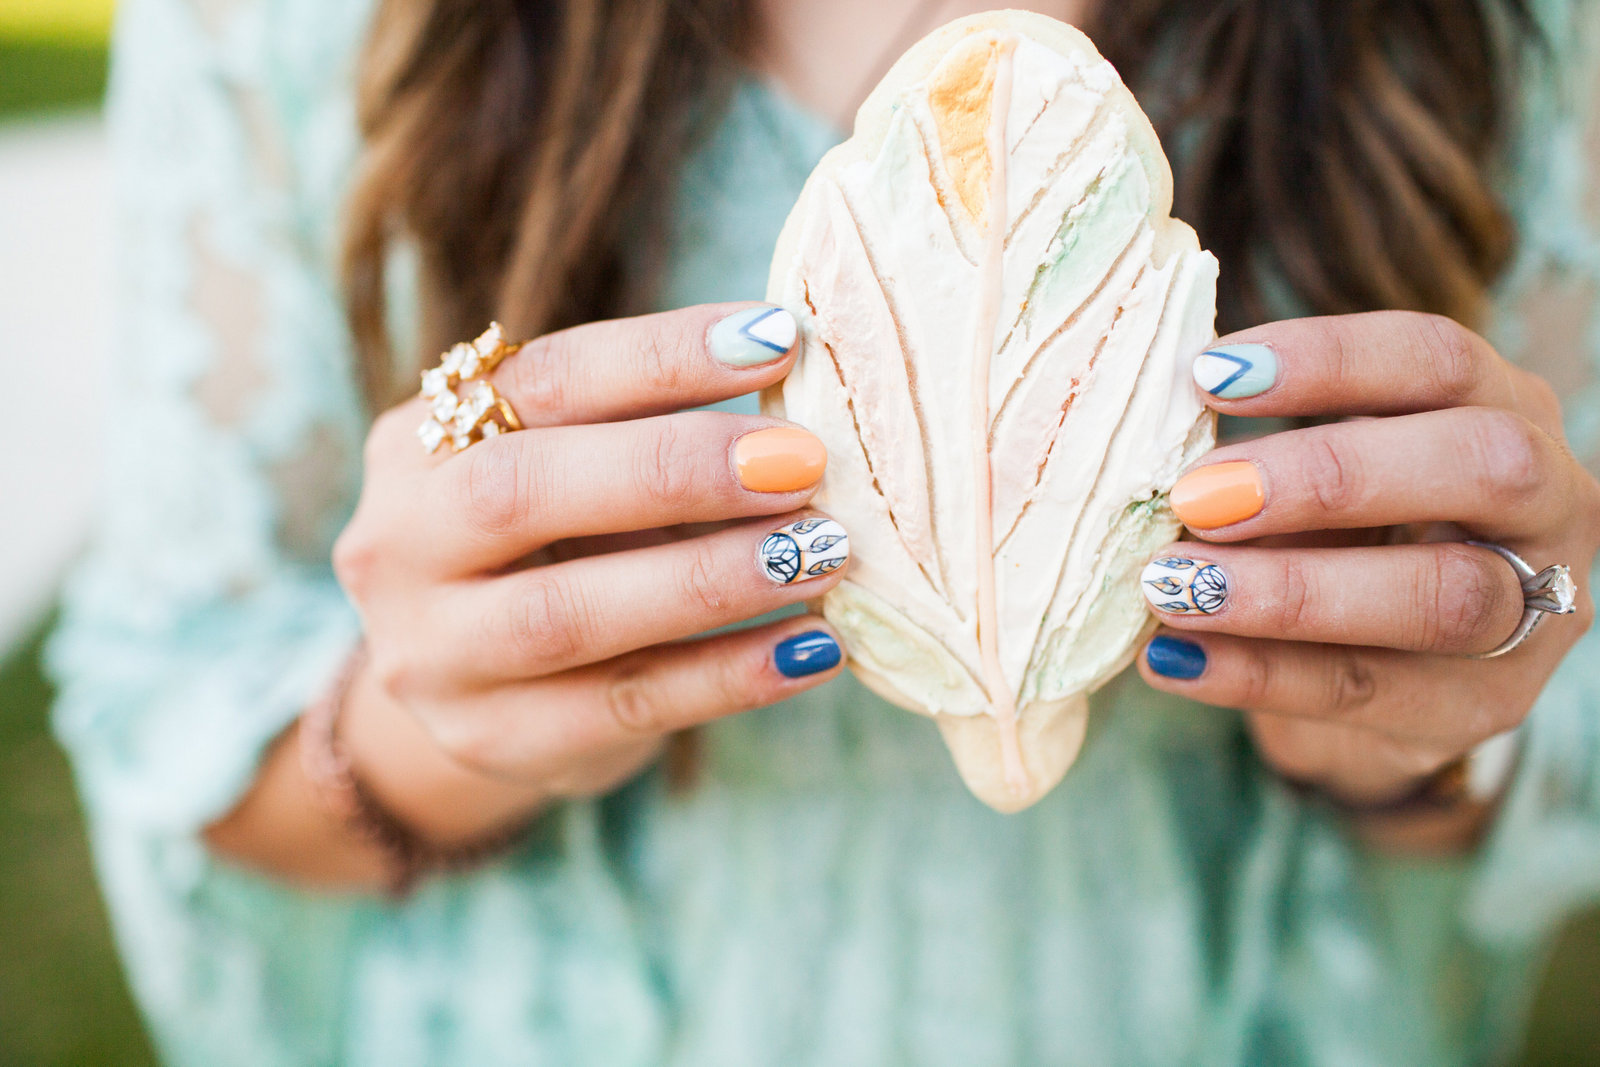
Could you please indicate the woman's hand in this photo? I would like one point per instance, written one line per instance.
(1348, 602)
(524, 600)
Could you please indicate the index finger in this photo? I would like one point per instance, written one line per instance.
(654, 364)
(1379, 363)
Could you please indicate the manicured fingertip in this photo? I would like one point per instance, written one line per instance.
(803, 550)
(779, 459)
(1236, 372)
(1177, 585)
(1209, 498)
(753, 337)
(806, 654)
(1176, 658)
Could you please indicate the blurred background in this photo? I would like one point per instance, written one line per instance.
(63, 1001)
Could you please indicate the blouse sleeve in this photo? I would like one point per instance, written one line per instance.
(1542, 860)
(205, 614)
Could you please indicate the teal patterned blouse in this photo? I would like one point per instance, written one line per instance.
(828, 893)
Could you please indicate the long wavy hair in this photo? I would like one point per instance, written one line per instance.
(1336, 155)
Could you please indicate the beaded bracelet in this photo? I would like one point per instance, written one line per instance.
(407, 856)
(1478, 780)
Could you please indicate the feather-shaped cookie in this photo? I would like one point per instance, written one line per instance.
(996, 315)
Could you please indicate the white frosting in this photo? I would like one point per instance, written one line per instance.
(1097, 302)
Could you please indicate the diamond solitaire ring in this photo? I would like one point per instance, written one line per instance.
(463, 415)
(1548, 592)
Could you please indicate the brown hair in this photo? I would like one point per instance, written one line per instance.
(1337, 155)
(519, 146)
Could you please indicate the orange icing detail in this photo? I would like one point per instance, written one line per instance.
(997, 54)
(960, 97)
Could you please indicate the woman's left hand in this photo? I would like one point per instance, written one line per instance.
(1349, 604)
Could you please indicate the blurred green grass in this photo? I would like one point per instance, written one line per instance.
(63, 1001)
(52, 55)
(41, 75)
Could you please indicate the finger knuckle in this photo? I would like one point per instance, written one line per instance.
(1490, 718)
(663, 475)
(1509, 453)
(391, 426)
(1542, 397)
(1333, 474)
(355, 560)
(1449, 357)
(550, 621)
(663, 361)
(1297, 598)
(1281, 742)
(1468, 595)
(701, 584)
(540, 378)
(1350, 684)
(737, 683)
(1255, 686)
(493, 487)
(391, 671)
(634, 702)
(468, 741)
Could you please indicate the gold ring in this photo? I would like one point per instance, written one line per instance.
(470, 415)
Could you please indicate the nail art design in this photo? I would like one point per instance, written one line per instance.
(753, 336)
(1181, 586)
(806, 654)
(1173, 657)
(802, 550)
(1236, 372)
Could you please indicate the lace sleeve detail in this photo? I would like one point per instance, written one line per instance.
(206, 614)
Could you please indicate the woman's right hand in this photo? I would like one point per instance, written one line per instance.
(524, 601)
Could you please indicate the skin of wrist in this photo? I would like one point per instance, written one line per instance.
(398, 762)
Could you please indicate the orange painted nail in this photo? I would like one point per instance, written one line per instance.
(780, 460)
(1219, 495)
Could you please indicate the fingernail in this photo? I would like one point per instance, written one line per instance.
(1173, 657)
(1236, 372)
(806, 654)
(804, 550)
(1181, 586)
(1219, 495)
(779, 460)
(753, 336)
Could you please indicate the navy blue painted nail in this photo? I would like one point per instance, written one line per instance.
(806, 654)
(1173, 657)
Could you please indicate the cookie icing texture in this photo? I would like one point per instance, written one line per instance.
(997, 315)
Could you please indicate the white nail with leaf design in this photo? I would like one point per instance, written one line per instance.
(800, 551)
(1179, 586)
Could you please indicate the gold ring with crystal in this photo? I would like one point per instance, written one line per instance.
(459, 414)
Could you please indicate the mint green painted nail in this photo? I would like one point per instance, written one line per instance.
(753, 336)
(1236, 372)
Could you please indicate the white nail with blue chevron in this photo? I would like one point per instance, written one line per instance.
(1236, 372)
(753, 336)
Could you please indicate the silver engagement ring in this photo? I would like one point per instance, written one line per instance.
(1548, 592)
